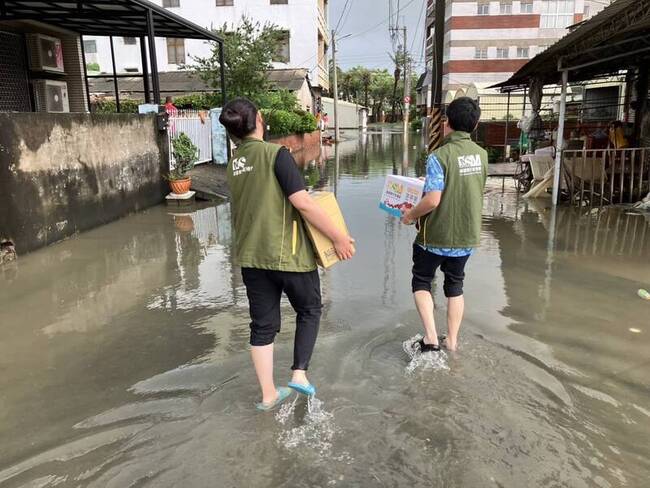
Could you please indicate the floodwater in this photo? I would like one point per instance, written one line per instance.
(124, 358)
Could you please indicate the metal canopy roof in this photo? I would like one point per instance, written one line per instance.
(105, 17)
(615, 39)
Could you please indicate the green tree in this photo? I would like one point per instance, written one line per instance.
(381, 88)
(249, 49)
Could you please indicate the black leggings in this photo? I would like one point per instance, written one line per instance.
(264, 289)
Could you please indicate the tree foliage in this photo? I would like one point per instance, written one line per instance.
(249, 49)
(377, 89)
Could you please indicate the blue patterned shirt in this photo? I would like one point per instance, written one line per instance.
(435, 181)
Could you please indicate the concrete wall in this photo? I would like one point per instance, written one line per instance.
(64, 173)
(348, 113)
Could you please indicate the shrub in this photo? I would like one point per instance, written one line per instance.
(93, 67)
(416, 124)
(278, 100)
(185, 155)
(199, 101)
(283, 122)
(127, 106)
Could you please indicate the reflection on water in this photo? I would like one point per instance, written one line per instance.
(124, 354)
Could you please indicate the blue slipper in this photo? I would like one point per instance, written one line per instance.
(283, 394)
(309, 390)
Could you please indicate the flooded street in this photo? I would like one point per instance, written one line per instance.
(124, 354)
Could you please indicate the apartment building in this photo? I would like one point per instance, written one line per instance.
(488, 40)
(304, 24)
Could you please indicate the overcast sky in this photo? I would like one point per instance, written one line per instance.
(372, 46)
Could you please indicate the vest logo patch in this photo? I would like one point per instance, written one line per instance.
(239, 166)
(470, 165)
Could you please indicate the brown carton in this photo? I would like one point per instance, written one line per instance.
(323, 247)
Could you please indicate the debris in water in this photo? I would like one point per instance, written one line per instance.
(428, 360)
(644, 294)
(636, 331)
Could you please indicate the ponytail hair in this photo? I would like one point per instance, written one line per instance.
(239, 117)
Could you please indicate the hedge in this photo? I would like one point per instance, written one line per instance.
(280, 122)
(284, 122)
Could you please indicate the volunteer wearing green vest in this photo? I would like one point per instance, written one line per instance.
(269, 203)
(449, 218)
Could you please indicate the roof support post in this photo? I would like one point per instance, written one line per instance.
(145, 70)
(83, 60)
(222, 65)
(642, 101)
(115, 84)
(560, 139)
(151, 35)
(506, 153)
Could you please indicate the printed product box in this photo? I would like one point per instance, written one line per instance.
(323, 247)
(400, 192)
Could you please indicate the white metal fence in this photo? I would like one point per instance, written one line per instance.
(198, 127)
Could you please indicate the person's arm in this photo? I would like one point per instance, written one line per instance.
(434, 185)
(292, 183)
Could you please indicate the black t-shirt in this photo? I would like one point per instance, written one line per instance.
(287, 173)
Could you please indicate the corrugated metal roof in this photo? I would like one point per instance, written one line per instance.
(105, 18)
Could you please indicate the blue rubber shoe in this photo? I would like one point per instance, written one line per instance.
(309, 390)
(283, 394)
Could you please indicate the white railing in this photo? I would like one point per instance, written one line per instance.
(196, 124)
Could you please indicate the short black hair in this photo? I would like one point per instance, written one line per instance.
(463, 114)
(239, 117)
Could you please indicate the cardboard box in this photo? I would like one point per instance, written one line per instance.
(400, 192)
(323, 247)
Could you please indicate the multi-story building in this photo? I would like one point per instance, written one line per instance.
(487, 40)
(304, 25)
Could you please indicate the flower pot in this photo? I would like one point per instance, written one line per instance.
(180, 187)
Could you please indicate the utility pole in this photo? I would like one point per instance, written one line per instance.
(407, 88)
(436, 128)
(336, 89)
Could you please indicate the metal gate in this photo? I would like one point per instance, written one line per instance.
(198, 127)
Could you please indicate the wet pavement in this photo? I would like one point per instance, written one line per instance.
(124, 358)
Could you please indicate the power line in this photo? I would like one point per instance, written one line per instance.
(336, 29)
(417, 27)
(377, 25)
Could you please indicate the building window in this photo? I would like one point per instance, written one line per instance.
(523, 52)
(587, 11)
(175, 51)
(279, 2)
(526, 7)
(503, 52)
(171, 3)
(224, 3)
(542, 48)
(481, 53)
(90, 47)
(557, 14)
(505, 7)
(483, 8)
(129, 41)
(283, 53)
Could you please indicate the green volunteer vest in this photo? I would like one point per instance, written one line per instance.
(269, 231)
(456, 222)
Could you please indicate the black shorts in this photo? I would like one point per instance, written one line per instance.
(426, 263)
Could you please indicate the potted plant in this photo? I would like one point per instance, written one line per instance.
(185, 154)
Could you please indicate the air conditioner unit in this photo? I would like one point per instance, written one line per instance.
(51, 96)
(45, 53)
